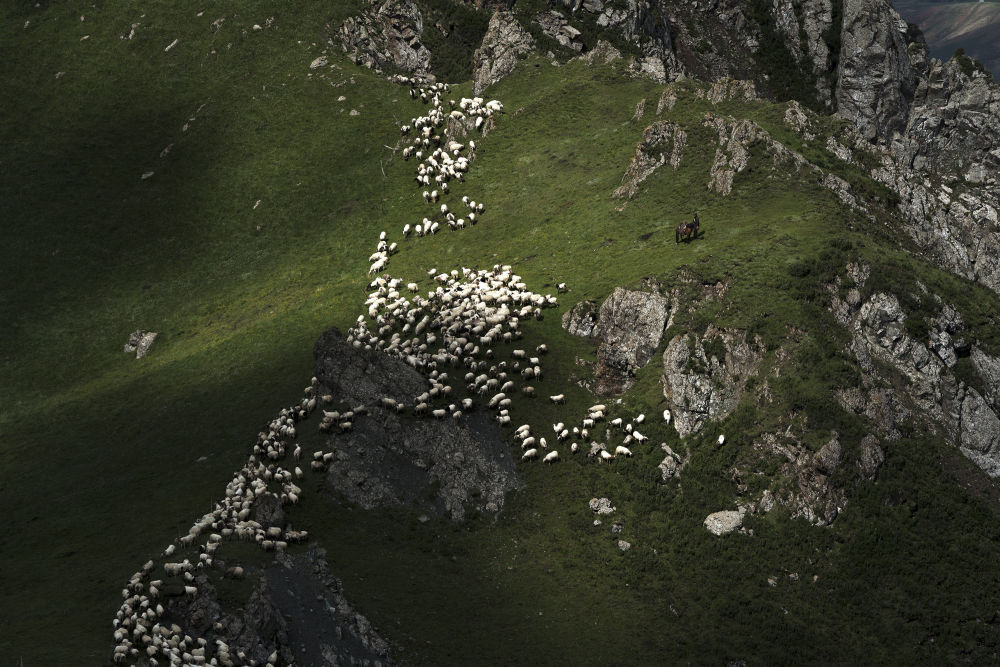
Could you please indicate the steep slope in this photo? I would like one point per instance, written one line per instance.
(800, 317)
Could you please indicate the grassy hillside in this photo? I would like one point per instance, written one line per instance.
(105, 459)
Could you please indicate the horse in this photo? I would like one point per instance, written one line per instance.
(687, 231)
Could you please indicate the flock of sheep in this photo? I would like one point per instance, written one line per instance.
(467, 326)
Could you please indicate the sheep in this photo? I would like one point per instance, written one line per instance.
(666, 416)
(623, 451)
(530, 454)
(640, 419)
(558, 398)
(639, 437)
(574, 448)
(606, 455)
(722, 440)
(600, 407)
(551, 457)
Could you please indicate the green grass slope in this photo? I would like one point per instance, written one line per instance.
(105, 459)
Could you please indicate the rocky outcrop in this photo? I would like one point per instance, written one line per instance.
(581, 319)
(703, 378)
(933, 398)
(672, 464)
(662, 142)
(557, 26)
(387, 458)
(274, 619)
(629, 326)
(387, 36)
(504, 43)
(878, 70)
(805, 487)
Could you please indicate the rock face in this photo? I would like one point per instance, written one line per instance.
(720, 523)
(703, 378)
(387, 35)
(629, 326)
(446, 466)
(662, 141)
(813, 18)
(505, 41)
(876, 78)
(325, 632)
(933, 397)
(953, 136)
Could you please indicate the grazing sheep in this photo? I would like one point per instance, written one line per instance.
(551, 457)
(558, 398)
(640, 419)
(666, 416)
(722, 440)
(574, 448)
(606, 455)
(530, 454)
(622, 450)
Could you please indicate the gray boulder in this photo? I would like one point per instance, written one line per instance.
(139, 341)
(630, 326)
(720, 523)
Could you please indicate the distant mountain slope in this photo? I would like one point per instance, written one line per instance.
(973, 26)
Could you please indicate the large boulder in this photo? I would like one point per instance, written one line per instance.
(720, 523)
(504, 43)
(630, 326)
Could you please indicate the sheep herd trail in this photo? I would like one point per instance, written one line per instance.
(469, 320)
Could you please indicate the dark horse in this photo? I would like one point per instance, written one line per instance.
(687, 230)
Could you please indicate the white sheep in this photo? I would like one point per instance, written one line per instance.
(530, 454)
(666, 416)
(551, 457)
(622, 450)
(722, 440)
(558, 398)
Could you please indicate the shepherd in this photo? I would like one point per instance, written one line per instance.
(687, 230)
